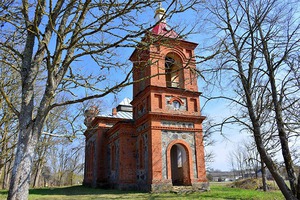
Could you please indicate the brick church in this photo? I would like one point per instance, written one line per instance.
(155, 141)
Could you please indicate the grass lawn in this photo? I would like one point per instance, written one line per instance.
(218, 191)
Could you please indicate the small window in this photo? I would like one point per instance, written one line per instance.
(176, 105)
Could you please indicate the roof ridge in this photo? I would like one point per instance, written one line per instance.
(125, 102)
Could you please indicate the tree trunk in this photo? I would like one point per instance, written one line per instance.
(286, 154)
(21, 173)
(60, 178)
(254, 120)
(298, 188)
(28, 137)
(288, 194)
(264, 176)
(36, 181)
(1, 169)
(71, 178)
(6, 171)
(4, 154)
(41, 160)
(4, 177)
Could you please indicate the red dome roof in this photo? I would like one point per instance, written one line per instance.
(164, 30)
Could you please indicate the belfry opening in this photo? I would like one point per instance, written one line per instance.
(173, 70)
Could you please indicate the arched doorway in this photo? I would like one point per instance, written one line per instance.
(180, 166)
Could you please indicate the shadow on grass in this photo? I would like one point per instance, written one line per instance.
(78, 190)
(3, 192)
(87, 193)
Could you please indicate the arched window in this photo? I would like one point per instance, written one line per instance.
(174, 71)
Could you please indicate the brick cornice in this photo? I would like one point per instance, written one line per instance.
(122, 125)
(176, 91)
(176, 129)
(178, 117)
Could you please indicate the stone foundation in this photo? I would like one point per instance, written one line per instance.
(202, 186)
(161, 187)
(155, 187)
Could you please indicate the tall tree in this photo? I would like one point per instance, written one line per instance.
(8, 120)
(48, 40)
(258, 38)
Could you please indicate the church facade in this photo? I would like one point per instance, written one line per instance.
(155, 141)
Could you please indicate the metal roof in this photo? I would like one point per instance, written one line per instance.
(125, 102)
(164, 30)
(120, 115)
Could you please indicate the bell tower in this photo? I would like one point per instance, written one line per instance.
(166, 111)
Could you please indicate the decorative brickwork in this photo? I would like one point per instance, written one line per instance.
(168, 137)
(155, 141)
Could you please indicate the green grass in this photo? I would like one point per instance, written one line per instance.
(218, 192)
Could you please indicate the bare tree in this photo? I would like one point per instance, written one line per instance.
(237, 160)
(208, 140)
(40, 160)
(8, 120)
(64, 162)
(62, 122)
(257, 40)
(76, 164)
(255, 163)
